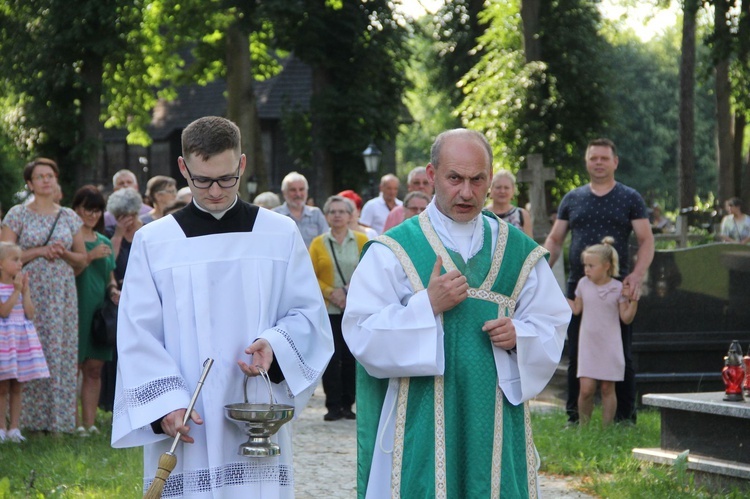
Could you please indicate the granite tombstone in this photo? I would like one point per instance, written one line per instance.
(695, 302)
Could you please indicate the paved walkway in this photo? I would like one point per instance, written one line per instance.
(325, 456)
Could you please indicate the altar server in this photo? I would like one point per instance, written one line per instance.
(219, 279)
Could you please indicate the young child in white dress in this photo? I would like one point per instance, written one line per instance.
(21, 355)
(604, 303)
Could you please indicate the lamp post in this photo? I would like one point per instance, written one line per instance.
(372, 156)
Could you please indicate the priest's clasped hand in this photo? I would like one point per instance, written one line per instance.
(262, 356)
(447, 290)
(502, 332)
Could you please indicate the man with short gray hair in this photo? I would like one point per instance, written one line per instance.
(122, 179)
(416, 181)
(376, 210)
(309, 219)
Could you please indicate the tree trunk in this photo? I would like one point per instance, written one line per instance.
(724, 140)
(532, 46)
(241, 105)
(90, 140)
(740, 120)
(322, 163)
(686, 153)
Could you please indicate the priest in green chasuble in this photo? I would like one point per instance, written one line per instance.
(457, 321)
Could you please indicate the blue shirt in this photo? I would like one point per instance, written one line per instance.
(312, 224)
(591, 218)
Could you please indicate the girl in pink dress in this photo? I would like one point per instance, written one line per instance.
(604, 303)
(21, 356)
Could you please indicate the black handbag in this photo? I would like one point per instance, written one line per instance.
(104, 324)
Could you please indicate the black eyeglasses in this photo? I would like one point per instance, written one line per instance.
(206, 182)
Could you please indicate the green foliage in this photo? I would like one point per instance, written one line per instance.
(429, 106)
(358, 56)
(455, 29)
(51, 57)
(552, 106)
(11, 173)
(644, 93)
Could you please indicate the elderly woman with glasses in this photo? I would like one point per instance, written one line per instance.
(161, 191)
(335, 255)
(52, 251)
(124, 205)
(415, 203)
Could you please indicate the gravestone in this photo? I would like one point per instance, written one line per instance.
(536, 175)
(695, 302)
(708, 432)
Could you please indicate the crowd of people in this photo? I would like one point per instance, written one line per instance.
(70, 261)
(375, 299)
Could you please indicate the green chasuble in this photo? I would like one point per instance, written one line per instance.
(456, 435)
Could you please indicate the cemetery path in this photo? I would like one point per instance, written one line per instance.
(325, 453)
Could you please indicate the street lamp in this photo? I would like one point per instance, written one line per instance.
(372, 155)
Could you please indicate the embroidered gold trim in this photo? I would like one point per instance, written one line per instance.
(530, 454)
(435, 242)
(528, 264)
(497, 444)
(404, 260)
(398, 437)
(441, 475)
(497, 257)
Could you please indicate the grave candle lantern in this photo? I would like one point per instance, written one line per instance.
(733, 373)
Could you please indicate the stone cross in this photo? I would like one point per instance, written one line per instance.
(537, 174)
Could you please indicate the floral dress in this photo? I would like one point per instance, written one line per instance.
(50, 404)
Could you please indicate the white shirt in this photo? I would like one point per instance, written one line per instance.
(375, 211)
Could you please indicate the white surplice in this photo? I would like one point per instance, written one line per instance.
(186, 299)
(393, 333)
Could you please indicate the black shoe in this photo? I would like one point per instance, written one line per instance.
(348, 414)
(333, 415)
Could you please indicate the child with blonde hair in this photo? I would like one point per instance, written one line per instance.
(603, 302)
(21, 355)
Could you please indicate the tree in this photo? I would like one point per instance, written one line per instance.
(722, 53)
(52, 58)
(552, 106)
(358, 55)
(686, 157)
(455, 28)
(428, 103)
(643, 85)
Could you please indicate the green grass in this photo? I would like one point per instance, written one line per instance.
(602, 459)
(67, 466)
(71, 467)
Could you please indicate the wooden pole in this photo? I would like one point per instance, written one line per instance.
(168, 460)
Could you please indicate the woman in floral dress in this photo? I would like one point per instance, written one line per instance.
(53, 247)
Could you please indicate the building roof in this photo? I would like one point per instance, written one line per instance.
(292, 87)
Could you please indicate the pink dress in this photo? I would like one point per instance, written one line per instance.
(21, 355)
(600, 353)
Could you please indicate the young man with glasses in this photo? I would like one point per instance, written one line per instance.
(219, 279)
